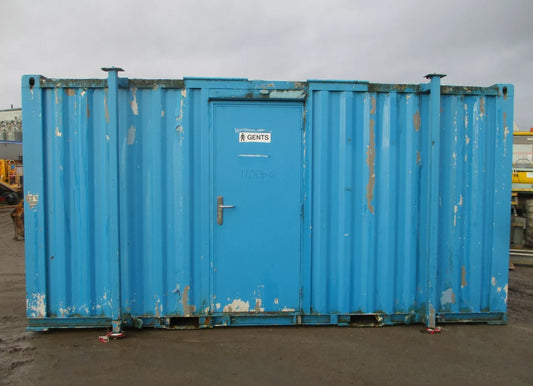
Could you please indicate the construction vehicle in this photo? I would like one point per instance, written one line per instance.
(10, 181)
(522, 190)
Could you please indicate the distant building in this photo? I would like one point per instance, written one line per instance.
(11, 134)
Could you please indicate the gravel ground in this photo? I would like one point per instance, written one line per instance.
(468, 354)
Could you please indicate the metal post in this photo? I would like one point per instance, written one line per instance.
(432, 241)
(114, 212)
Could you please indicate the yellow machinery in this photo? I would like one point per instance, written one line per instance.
(11, 172)
(522, 195)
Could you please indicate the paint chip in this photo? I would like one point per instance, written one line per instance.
(133, 103)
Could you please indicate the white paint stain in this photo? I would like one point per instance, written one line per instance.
(467, 139)
(447, 297)
(32, 199)
(237, 306)
(131, 135)
(58, 133)
(36, 305)
(134, 106)
(107, 137)
(162, 113)
(276, 301)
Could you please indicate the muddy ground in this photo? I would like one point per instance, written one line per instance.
(468, 354)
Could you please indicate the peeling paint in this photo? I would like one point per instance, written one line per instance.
(131, 135)
(466, 116)
(493, 281)
(258, 307)
(218, 305)
(71, 92)
(58, 132)
(106, 110)
(467, 139)
(188, 309)
(447, 297)
(506, 290)
(481, 107)
(285, 309)
(237, 306)
(133, 103)
(463, 277)
(179, 131)
(162, 113)
(107, 137)
(370, 161)
(32, 199)
(373, 108)
(416, 120)
(276, 301)
(36, 305)
(505, 127)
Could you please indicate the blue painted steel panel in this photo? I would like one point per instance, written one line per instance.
(403, 192)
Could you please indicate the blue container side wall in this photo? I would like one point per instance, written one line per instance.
(367, 194)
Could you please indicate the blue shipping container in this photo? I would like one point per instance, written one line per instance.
(217, 202)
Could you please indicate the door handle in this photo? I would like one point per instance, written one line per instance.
(220, 209)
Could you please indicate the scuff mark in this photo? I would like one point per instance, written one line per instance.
(237, 306)
(106, 110)
(285, 309)
(71, 92)
(455, 216)
(131, 135)
(177, 289)
(463, 277)
(58, 133)
(162, 113)
(467, 139)
(36, 305)
(370, 161)
(188, 309)
(258, 307)
(447, 297)
(417, 121)
(133, 103)
(373, 108)
(179, 130)
(32, 199)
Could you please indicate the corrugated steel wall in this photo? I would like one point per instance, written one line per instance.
(406, 199)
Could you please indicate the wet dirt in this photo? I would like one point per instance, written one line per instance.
(465, 353)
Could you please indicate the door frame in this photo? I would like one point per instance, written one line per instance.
(304, 263)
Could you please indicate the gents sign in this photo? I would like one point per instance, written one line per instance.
(255, 137)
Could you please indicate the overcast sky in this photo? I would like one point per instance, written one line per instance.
(474, 42)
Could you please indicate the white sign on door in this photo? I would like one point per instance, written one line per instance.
(255, 137)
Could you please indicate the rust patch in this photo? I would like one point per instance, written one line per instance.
(106, 110)
(373, 102)
(71, 92)
(188, 309)
(417, 121)
(505, 128)
(371, 162)
(463, 277)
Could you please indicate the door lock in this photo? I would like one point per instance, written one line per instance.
(220, 209)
